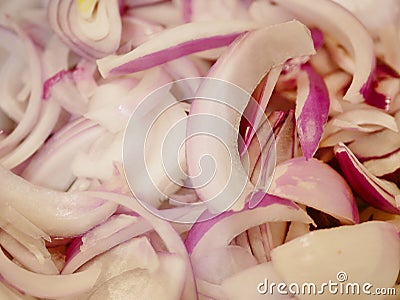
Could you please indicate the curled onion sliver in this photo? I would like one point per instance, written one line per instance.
(377, 192)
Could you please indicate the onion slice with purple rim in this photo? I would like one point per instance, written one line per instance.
(304, 181)
(381, 194)
(254, 54)
(312, 107)
(174, 43)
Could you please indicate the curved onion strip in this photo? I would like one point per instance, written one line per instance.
(377, 192)
(378, 144)
(174, 43)
(9, 293)
(344, 136)
(167, 233)
(363, 116)
(254, 113)
(96, 241)
(269, 43)
(65, 19)
(47, 120)
(57, 154)
(312, 107)
(302, 181)
(12, 220)
(34, 103)
(10, 75)
(384, 165)
(133, 254)
(349, 31)
(56, 286)
(314, 257)
(26, 258)
(56, 213)
(220, 230)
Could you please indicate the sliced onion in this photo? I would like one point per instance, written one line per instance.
(45, 265)
(362, 118)
(57, 286)
(92, 32)
(250, 283)
(56, 213)
(201, 145)
(166, 283)
(378, 144)
(171, 239)
(136, 253)
(304, 181)
(349, 32)
(116, 230)
(174, 43)
(58, 153)
(312, 107)
(220, 231)
(34, 103)
(321, 255)
(384, 165)
(377, 192)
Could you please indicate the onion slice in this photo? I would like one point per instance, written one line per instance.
(328, 255)
(56, 213)
(377, 192)
(255, 54)
(117, 229)
(220, 230)
(349, 31)
(47, 286)
(174, 43)
(312, 108)
(305, 181)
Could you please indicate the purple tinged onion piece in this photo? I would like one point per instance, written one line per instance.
(372, 96)
(317, 185)
(318, 37)
(251, 217)
(174, 43)
(117, 229)
(370, 188)
(48, 84)
(312, 112)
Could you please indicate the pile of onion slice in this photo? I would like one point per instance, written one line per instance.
(294, 124)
